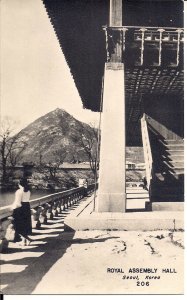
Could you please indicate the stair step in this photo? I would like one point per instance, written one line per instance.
(136, 204)
(177, 155)
(175, 164)
(134, 186)
(137, 196)
(174, 152)
(174, 158)
(172, 144)
(176, 173)
(168, 141)
(132, 191)
(167, 206)
(175, 147)
(174, 167)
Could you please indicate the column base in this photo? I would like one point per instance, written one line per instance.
(113, 202)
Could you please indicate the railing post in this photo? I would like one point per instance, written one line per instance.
(7, 233)
(35, 217)
(49, 212)
(59, 210)
(43, 215)
(54, 209)
(63, 204)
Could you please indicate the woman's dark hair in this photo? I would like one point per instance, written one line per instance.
(24, 184)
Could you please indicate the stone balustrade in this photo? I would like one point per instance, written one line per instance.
(42, 210)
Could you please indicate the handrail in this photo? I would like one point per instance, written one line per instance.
(160, 129)
(6, 211)
(42, 209)
(147, 150)
(147, 27)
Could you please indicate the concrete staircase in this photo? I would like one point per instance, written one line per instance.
(137, 199)
(168, 168)
(174, 157)
(167, 161)
(169, 175)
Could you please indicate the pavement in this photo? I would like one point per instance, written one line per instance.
(94, 262)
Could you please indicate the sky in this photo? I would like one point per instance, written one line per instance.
(35, 78)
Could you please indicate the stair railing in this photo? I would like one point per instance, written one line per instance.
(147, 151)
(159, 129)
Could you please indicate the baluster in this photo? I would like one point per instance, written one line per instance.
(142, 44)
(76, 198)
(73, 198)
(63, 203)
(179, 31)
(107, 48)
(160, 46)
(59, 210)
(54, 209)
(43, 215)
(7, 233)
(123, 39)
(35, 215)
(49, 212)
(67, 203)
(88, 190)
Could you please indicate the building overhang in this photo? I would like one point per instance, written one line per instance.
(152, 43)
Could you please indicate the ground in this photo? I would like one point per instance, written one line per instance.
(94, 262)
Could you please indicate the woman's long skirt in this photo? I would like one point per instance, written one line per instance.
(22, 219)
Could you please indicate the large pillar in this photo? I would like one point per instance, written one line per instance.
(115, 13)
(111, 193)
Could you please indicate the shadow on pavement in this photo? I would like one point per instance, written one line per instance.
(24, 282)
(50, 243)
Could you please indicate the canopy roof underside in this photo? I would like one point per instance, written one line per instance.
(79, 28)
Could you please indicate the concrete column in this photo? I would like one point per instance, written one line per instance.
(111, 193)
(115, 13)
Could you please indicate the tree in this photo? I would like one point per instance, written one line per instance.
(58, 159)
(50, 168)
(90, 142)
(11, 146)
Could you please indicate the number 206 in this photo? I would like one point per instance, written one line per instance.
(142, 283)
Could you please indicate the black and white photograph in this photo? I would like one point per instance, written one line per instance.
(92, 147)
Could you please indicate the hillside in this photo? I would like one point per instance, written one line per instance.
(53, 133)
(57, 133)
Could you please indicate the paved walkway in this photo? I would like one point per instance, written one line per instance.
(82, 262)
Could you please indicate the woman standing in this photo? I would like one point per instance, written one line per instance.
(22, 212)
